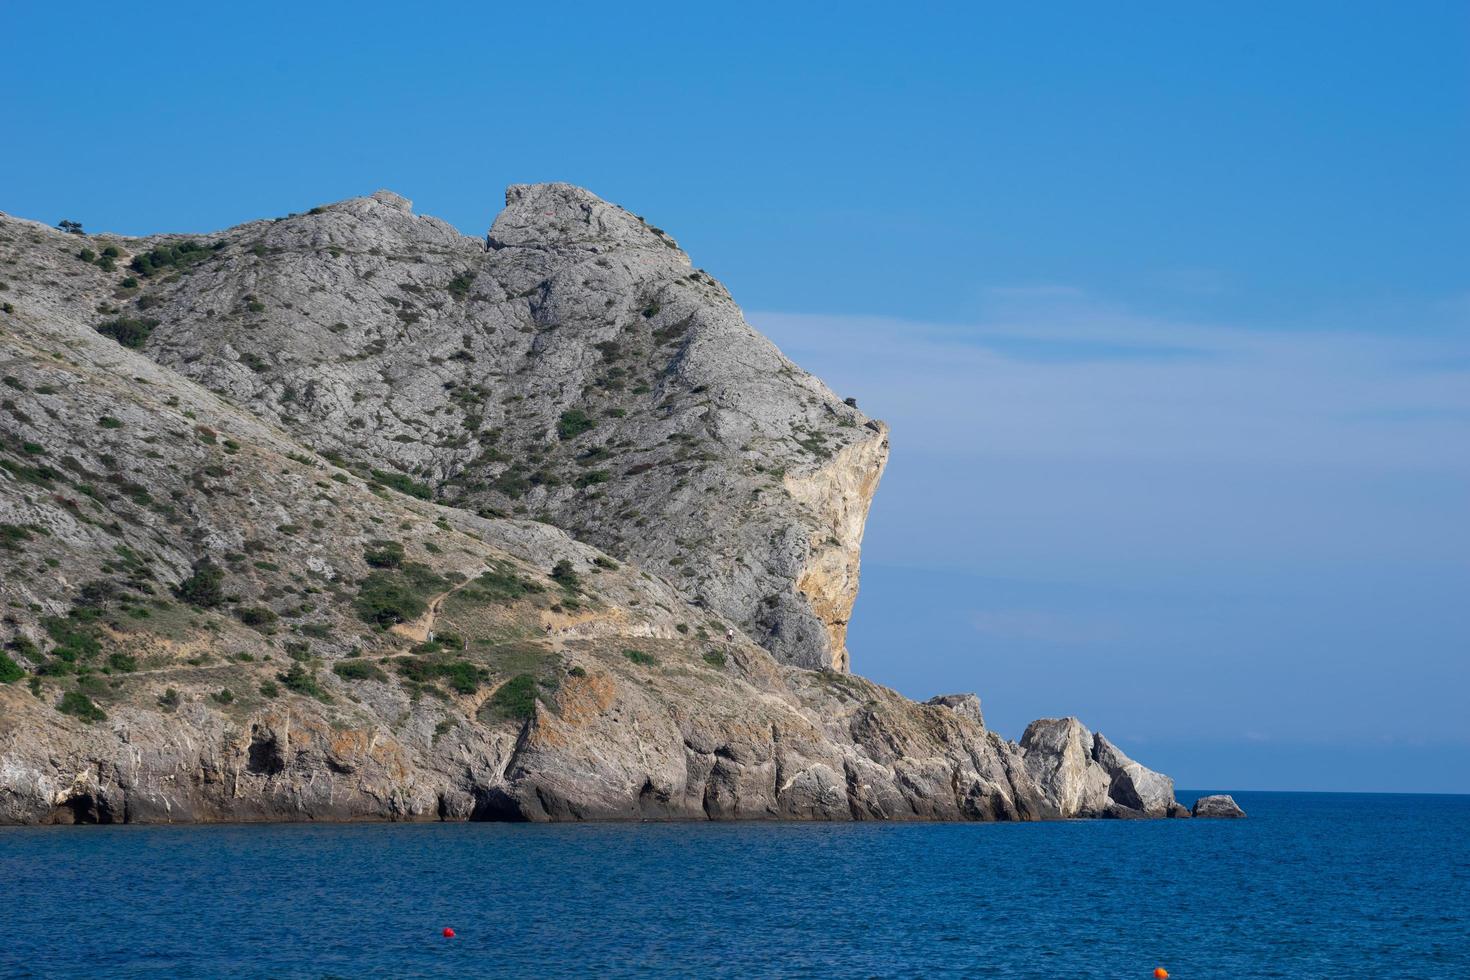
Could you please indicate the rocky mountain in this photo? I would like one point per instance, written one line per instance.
(348, 516)
(573, 368)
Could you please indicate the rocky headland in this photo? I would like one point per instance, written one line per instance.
(348, 516)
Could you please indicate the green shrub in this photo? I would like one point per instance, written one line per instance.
(12, 535)
(501, 584)
(303, 681)
(75, 637)
(108, 422)
(79, 705)
(577, 672)
(715, 658)
(169, 700)
(39, 475)
(129, 331)
(574, 422)
(641, 658)
(122, 663)
(203, 588)
(179, 255)
(223, 696)
(403, 483)
(461, 675)
(257, 618)
(10, 671)
(592, 478)
(384, 554)
(387, 597)
(513, 483)
(269, 689)
(566, 576)
(459, 286)
(358, 670)
(515, 699)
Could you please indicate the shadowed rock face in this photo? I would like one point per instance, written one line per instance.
(579, 371)
(251, 565)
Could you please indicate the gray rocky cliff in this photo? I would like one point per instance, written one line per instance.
(580, 371)
(267, 548)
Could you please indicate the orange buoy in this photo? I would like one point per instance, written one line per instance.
(1160, 973)
(449, 934)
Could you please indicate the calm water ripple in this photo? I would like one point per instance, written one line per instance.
(1312, 885)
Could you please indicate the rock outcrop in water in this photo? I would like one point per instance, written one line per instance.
(1085, 775)
(1218, 806)
(344, 516)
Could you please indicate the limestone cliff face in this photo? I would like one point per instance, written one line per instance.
(838, 495)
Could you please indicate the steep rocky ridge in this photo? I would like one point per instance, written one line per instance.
(204, 618)
(574, 368)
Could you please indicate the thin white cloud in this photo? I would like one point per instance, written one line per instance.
(1055, 374)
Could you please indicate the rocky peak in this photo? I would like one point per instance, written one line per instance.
(395, 201)
(564, 216)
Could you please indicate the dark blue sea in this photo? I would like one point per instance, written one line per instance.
(1311, 885)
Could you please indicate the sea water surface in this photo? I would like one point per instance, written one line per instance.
(1311, 885)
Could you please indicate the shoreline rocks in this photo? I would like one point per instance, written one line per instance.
(1088, 776)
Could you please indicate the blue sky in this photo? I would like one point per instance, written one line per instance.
(1169, 306)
